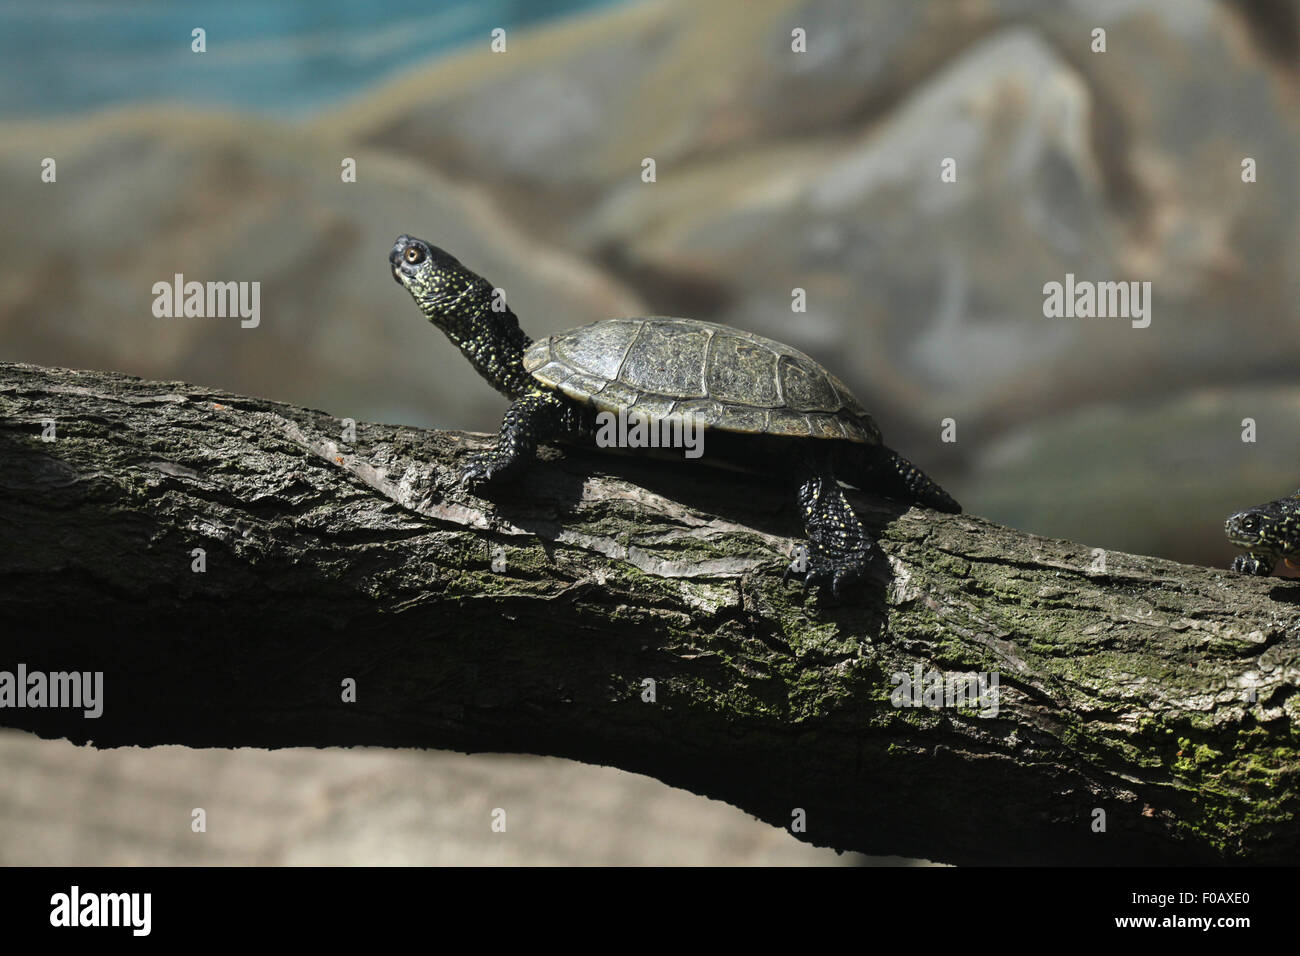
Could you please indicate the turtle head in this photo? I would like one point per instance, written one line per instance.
(462, 304)
(1271, 528)
(445, 290)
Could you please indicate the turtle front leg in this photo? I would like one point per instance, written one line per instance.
(1252, 563)
(531, 419)
(839, 548)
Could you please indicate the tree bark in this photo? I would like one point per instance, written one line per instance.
(1146, 710)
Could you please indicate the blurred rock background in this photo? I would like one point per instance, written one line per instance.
(775, 170)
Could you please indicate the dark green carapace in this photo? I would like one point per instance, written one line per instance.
(1268, 532)
(760, 405)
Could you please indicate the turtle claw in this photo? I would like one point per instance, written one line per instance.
(846, 578)
(481, 470)
(822, 583)
(828, 573)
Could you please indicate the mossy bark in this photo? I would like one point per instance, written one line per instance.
(1156, 698)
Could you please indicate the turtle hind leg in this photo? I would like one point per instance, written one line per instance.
(889, 473)
(839, 548)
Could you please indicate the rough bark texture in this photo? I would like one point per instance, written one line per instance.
(1159, 693)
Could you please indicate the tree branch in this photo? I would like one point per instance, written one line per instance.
(1162, 694)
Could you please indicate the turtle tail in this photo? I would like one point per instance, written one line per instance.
(893, 475)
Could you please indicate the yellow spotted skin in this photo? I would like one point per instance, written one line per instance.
(1268, 532)
(801, 425)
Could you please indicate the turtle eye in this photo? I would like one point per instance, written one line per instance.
(1250, 523)
(414, 255)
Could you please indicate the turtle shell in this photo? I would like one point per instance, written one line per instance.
(725, 378)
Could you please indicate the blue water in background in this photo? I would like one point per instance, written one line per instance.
(274, 57)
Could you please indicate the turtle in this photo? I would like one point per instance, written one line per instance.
(1267, 532)
(757, 404)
